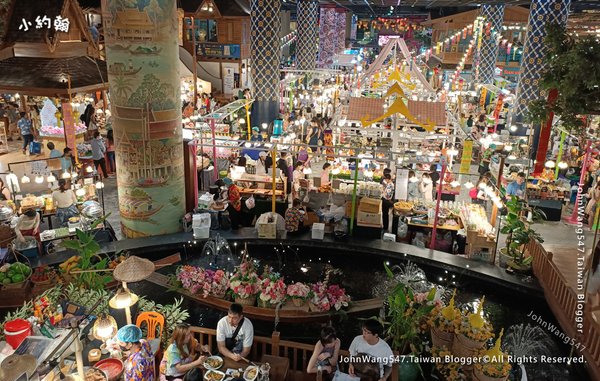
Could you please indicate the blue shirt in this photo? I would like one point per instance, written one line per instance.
(25, 126)
(55, 153)
(98, 148)
(514, 189)
(66, 164)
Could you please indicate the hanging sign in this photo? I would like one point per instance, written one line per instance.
(482, 98)
(465, 160)
(499, 104)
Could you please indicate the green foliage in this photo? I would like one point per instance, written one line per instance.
(88, 249)
(152, 92)
(403, 317)
(573, 68)
(519, 233)
(173, 314)
(88, 298)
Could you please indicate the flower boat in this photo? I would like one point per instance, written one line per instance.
(268, 292)
(120, 69)
(142, 50)
(139, 215)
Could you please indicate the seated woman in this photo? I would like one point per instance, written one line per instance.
(326, 353)
(296, 218)
(65, 201)
(28, 225)
(178, 362)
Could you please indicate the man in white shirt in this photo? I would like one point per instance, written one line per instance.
(370, 343)
(235, 334)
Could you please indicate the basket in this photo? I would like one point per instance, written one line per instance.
(465, 347)
(298, 302)
(250, 301)
(19, 284)
(441, 339)
(7, 235)
(479, 376)
(263, 304)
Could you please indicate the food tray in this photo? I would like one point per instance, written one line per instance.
(251, 373)
(214, 375)
(213, 362)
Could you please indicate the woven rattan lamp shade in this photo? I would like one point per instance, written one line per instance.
(133, 269)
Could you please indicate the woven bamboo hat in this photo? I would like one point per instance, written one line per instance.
(133, 269)
(15, 365)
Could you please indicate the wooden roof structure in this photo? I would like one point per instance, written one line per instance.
(221, 8)
(512, 15)
(360, 108)
(432, 111)
(44, 61)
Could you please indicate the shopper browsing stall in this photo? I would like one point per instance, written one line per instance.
(426, 187)
(517, 187)
(65, 201)
(66, 160)
(234, 206)
(413, 186)
(28, 225)
(296, 217)
(98, 152)
(235, 334)
(387, 198)
(139, 365)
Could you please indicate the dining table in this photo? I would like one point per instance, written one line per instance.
(231, 365)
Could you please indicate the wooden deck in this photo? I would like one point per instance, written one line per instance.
(558, 276)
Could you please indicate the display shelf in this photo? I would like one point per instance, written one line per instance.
(280, 185)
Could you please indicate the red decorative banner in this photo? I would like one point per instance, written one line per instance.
(499, 104)
(69, 125)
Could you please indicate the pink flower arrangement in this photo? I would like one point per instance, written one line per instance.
(192, 278)
(271, 291)
(245, 282)
(325, 297)
(218, 282)
(54, 130)
(299, 290)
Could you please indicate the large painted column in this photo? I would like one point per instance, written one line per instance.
(265, 47)
(488, 52)
(542, 13)
(341, 31)
(308, 33)
(143, 61)
(327, 36)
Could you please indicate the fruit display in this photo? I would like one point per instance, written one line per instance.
(14, 273)
(70, 264)
(42, 274)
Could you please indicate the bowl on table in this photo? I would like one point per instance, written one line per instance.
(251, 373)
(213, 362)
(112, 367)
(214, 375)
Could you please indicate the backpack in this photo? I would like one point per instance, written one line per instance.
(473, 193)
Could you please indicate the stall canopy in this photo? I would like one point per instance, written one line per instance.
(360, 108)
(432, 111)
(49, 60)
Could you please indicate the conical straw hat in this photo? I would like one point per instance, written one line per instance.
(133, 269)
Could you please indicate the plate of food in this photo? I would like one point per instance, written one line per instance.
(251, 373)
(213, 362)
(214, 375)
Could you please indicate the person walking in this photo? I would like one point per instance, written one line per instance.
(98, 151)
(24, 124)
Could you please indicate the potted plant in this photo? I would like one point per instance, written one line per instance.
(406, 321)
(447, 370)
(244, 284)
(272, 289)
(299, 293)
(519, 234)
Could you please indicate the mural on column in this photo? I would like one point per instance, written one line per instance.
(308, 17)
(143, 61)
(341, 31)
(493, 14)
(327, 36)
(541, 13)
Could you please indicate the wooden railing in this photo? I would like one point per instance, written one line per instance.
(563, 300)
(298, 353)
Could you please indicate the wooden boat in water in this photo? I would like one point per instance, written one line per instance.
(287, 313)
(131, 215)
